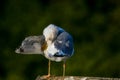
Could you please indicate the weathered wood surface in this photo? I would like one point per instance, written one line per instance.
(75, 78)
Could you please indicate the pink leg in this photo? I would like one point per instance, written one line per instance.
(64, 69)
(49, 63)
(47, 76)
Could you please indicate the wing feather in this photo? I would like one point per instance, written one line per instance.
(64, 43)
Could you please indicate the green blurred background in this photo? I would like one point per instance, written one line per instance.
(94, 25)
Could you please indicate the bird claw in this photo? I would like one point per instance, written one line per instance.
(45, 77)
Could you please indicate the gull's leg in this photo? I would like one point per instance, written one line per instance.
(47, 76)
(49, 63)
(63, 69)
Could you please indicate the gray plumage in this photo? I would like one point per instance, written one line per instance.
(31, 45)
(64, 43)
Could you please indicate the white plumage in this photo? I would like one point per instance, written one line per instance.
(54, 38)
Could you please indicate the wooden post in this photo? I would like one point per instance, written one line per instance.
(75, 78)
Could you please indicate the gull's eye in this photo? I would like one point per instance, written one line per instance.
(21, 50)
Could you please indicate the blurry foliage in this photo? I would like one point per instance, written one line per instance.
(94, 25)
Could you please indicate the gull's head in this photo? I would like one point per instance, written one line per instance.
(31, 45)
(51, 32)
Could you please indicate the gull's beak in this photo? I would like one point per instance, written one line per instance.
(19, 50)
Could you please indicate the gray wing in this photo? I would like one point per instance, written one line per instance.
(64, 43)
(31, 45)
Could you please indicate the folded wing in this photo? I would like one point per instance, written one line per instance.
(64, 45)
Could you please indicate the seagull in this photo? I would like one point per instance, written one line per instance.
(55, 44)
(59, 45)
